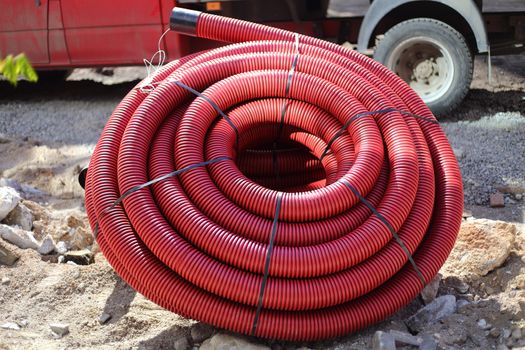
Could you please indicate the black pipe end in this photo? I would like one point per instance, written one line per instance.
(82, 177)
(184, 20)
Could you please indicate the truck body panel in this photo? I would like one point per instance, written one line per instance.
(79, 33)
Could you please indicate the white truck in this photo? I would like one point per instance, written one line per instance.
(431, 44)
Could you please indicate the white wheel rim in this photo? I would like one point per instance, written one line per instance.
(425, 65)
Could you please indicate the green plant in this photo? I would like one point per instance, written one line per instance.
(13, 67)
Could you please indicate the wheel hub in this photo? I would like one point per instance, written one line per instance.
(424, 70)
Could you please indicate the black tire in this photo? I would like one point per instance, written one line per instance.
(432, 57)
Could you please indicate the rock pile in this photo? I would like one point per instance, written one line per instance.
(29, 225)
(462, 307)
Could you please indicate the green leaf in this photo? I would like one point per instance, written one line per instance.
(9, 70)
(25, 69)
(14, 67)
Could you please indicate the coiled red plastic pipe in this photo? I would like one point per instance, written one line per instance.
(197, 243)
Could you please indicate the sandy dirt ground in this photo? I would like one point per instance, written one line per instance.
(48, 132)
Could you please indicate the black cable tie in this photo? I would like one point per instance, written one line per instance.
(151, 182)
(283, 114)
(289, 82)
(290, 75)
(214, 105)
(364, 114)
(267, 262)
(390, 228)
(285, 105)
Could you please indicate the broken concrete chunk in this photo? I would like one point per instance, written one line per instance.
(405, 338)
(229, 342)
(61, 247)
(20, 238)
(81, 238)
(60, 329)
(9, 198)
(435, 311)
(103, 318)
(74, 222)
(47, 246)
(39, 212)
(20, 216)
(11, 326)
(7, 257)
(430, 291)
(383, 341)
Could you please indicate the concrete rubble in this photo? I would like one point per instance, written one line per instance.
(60, 329)
(48, 246)
(9, 198)
(21, 238)
(7, 256)
(222, 341)
(438, 309)
(20, 216)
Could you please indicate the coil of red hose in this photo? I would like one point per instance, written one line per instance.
(197, 243)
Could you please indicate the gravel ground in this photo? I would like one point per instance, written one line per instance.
(72, 112)
(491, 153)
(486, 131)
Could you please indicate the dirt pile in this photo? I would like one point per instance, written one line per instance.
(474, 303)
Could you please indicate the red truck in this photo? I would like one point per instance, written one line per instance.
(429, 43)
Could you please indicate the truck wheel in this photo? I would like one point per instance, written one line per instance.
(432, 57)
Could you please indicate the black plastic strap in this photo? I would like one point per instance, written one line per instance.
(214, 105)
(290, 74)
(285, 105)
(283, 114)
(267, 262)
(151, 182)
(289, 83)
(364, 114)
(390, 228)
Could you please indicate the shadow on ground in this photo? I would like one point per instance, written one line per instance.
(480, 103)
(512, 213)
(119, 301)
(70, 90)
(165, 339)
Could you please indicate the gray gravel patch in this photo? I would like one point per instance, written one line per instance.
(490, 151)
(72, 112)
(70, 122)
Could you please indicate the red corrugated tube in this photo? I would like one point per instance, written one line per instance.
(197, 243)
